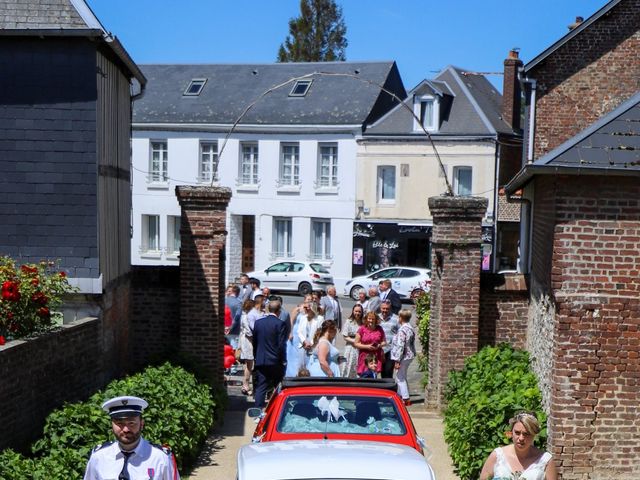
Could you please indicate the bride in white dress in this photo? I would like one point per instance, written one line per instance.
(521, 460)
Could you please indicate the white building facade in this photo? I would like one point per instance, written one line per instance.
(295, 194)
(291, 166)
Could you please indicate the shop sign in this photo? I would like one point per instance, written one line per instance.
(385, 244)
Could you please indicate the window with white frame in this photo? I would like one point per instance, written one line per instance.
(427, 109)
(158, 162)
(462, 178)
(150, 233)
(173, 235)
(249, 164)
(208, 161)
(282, 230)
(320, 239)
(289, 164)
(328, 165)
(386, 188)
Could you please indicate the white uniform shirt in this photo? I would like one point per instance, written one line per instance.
(149, 462)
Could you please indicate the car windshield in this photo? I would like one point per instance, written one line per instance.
(350, 414)
(316, 267)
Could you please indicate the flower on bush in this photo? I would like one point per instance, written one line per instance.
(29, 296)
(10, 291)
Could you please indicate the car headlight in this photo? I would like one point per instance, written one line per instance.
(348, 283)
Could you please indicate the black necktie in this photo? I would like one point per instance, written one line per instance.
(124, 474)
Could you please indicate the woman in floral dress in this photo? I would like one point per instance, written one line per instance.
(349, 331)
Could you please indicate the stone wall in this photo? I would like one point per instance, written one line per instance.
(155, 313)
(504, 305)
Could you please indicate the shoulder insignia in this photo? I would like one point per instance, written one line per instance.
(100, 447)
(165, 447)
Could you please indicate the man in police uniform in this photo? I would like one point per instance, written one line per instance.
(130, 457)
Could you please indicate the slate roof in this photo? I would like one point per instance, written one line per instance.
(40, 15)
(470, 106)
(230, 88)
(612, 145)
(52, 18)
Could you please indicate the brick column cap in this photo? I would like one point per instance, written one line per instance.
(458, 208)
(190, 196)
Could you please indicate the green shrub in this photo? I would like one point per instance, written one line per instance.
(494, 384)
(423, 314)
(181, 412)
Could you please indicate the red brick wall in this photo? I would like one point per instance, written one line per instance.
(504, 305)
(202, 268)
(155, 313)
(576, 83)
(596, 348)
(455, 291)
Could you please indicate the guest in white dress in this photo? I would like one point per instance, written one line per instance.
(521, 459)
(246, 345)
(309, 323)
(296, 355)
(324, 360)
(349, 331)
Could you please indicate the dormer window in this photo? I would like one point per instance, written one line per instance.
(195, 87)
(427, 109)
(300, 88)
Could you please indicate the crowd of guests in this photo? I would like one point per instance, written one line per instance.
(379, 339)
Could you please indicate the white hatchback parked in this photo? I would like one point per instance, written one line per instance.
(407, 281)
(292, 276)
(331, 459)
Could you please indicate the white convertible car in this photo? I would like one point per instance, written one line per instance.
(331, 459)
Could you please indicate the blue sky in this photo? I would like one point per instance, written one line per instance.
(422, 36)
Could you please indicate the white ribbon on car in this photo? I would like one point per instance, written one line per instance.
(331, 408)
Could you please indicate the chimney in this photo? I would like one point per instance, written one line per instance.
(511, 90)
(578, 21)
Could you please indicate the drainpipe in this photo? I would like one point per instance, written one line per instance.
(496, 196)
(532, 119)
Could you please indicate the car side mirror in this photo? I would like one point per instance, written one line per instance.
(425, 450)
(254, 412)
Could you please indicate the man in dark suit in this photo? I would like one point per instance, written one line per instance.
(269, 352)
(388, 293)
(331, 306)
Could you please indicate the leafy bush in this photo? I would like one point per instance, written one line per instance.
(29, 295)
(423, 314)
(181, 412)
(494, 384)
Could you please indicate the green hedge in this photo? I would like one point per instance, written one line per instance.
(181, 412)
(423, 315)
(494, 384)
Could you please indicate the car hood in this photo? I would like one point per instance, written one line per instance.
(348, 459)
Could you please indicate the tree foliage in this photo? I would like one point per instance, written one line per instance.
(317, 35)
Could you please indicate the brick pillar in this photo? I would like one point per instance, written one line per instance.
(455, 293)
(202, 267)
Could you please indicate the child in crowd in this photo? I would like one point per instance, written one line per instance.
(372, 367)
